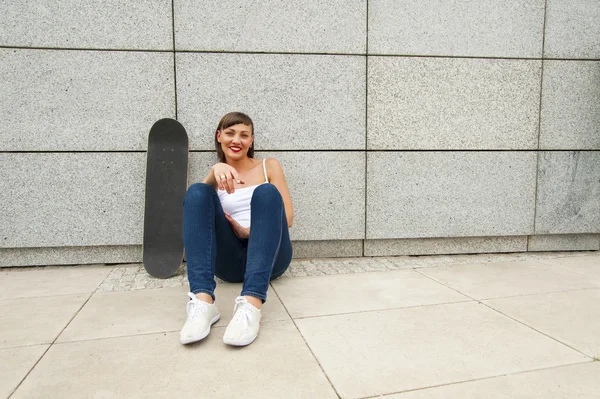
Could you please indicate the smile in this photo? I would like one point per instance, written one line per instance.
(235, 149)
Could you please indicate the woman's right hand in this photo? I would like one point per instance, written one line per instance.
(226, 176)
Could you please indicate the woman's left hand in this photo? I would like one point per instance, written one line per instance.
(238, 230)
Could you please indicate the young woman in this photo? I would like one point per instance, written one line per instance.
(235, 226)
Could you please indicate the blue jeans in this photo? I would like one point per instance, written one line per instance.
(211, 247)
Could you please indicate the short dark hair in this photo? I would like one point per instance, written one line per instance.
(231, 119)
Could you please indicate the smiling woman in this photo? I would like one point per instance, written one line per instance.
(229, 124)
(235, 226)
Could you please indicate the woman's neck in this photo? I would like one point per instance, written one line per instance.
(241, 164)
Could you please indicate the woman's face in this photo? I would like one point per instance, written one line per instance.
(235, 141)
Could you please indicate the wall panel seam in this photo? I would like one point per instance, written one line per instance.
(297, 150)
(537, 169)
(174, 55)
(295, 53)
(366, 154)
(86, 49)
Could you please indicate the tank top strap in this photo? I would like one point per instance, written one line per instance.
(265, 169)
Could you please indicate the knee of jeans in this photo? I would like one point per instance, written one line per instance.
(265, 191)
(198, 191)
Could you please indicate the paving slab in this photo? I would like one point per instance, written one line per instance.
(433, 103)
(115, 24)
(566, 382)
(314, 296)
(327, 248)
(564, 242)
(130, 277)
(586, 265)
(314, 92)
(512, 28)
(508, 279)
(69, 255)
(417, 262)
(569, 117)
(72, 198)
(445, 245)
(271, 26)
(81, 100)
(374, 353)
(15, 364)
(417, 347)
(450, 193)
(572, 317)
(568, 192)
(572, 29)
(115, 314)
(278, 364)
(32, 321)
(29, 283)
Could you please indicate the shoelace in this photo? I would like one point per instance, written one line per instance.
(194, 306)
(243, 312)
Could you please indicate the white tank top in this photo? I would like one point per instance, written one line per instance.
(238, 203)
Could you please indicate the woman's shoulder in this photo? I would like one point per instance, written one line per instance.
(272, 163)
(273, 167)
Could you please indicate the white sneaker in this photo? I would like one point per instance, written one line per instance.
(243, 327)
(200, 316)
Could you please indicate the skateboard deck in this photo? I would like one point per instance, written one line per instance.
(166, 185)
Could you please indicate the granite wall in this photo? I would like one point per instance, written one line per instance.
(404, 127)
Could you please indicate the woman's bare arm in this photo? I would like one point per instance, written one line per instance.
(228, 174)
(210, 179)
(277, 178)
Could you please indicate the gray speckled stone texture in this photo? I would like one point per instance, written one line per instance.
(571, 105)
(439, 246)
(568, 198)
(199, 165)
(486, 28)
(82, 100)
(271, 25)
(323, 210)
(71, 199)
(450, 194)
(564, 242)
(10, 257)
(327, 249)
(437, 103)
(296, 101)
(113, 24)
(130, 277)
(572, 29)
(97, 199)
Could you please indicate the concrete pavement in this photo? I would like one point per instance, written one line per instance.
(464, 326)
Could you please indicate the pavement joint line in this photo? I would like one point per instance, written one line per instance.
(306, 343)
(447, 286)
(540, 293)
(132, 276)
(566, 269)
(341, 263)
(428, 305)
(383, 395)
(24, 346)
(214, 327)
(538, 331)
(44, 296)
(518, 321)
(49, 346)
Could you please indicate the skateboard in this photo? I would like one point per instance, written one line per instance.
(166, 185)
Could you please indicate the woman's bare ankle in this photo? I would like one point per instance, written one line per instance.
(256, 302)
(204, 297)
